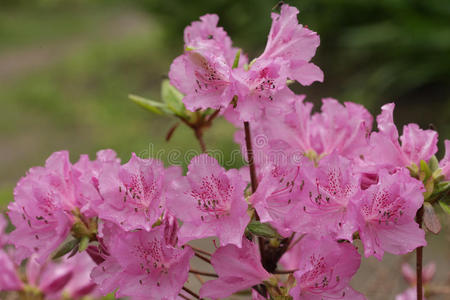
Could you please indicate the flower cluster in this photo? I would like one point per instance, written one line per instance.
(319, 182)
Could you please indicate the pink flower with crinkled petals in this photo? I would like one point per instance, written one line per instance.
(142, 265)
(258, 89)
(295, 44)
(385, 149)
(444, 164)
(9, 277)
(133, 193)
(210, 202)
(238, 269)
(324, 269)
(337, 128)
(206, 30)
(387, 211)
(279, 193)
(329, 196)
(41, 214)
(88, 173)
(204, 76)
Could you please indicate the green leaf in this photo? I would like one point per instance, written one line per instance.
(236, 59)
(262, 229)
(430, 219)
(425, 171)
(153, 106)
(445, 207)
(172, 98)
(66, 248)
(84, 243)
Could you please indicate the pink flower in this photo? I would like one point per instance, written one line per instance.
(133, 193)
(445, 162)
(325, 269)
(41, 210)
(338, 128)
(142, 265)
(387, 211)
(330, 193)
(408, 294)
(204, 76)
(385, 149)
(210, 202)
(295, 44)
(9, 277)
(238, 269)
(206, 30)
(88, 173)
(3, 236)
(278, 194)
(259, 89)
(409, 274)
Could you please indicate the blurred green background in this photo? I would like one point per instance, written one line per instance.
(67, 66)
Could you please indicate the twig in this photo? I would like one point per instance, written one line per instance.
(200, 250)
(203, 273)
(183, 296)
(191, 293)
(251, 161)
(199, 136)
(203, 258)
(284, 271)
(419, 258)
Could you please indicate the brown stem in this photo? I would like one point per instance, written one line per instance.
(251, 161)
(284, 271)
(200, 250)
(183, 296)
(203, 258)
(199, 136)
(419, 258)
(191, 293)
(203, 273)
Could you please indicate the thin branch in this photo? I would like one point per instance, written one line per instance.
(203, 258)
(291, 245)
(183, 296)
(200, 250)
(191, 293)
(284, 271)
(199, 136)
(251, 161)
(419, 258)
(203, 273)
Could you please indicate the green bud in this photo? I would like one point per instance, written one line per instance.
(262, 229)
(66, 248)
(150, 105)
(433, 163)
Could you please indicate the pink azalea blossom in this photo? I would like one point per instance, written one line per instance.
(142, 265)
(295, 44)
(408, 294)
(387, 212)
(88, 173)
(204, 76)
(278, 194)
(445, 162)
(324, 269)
(330, 193)
(409, 274)
(210, 202)
(386, 151)
(41, 210)
(206, 30)
(9, 277)
(238, 269)
(133, 193)
(338, 128)
(259, 89)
